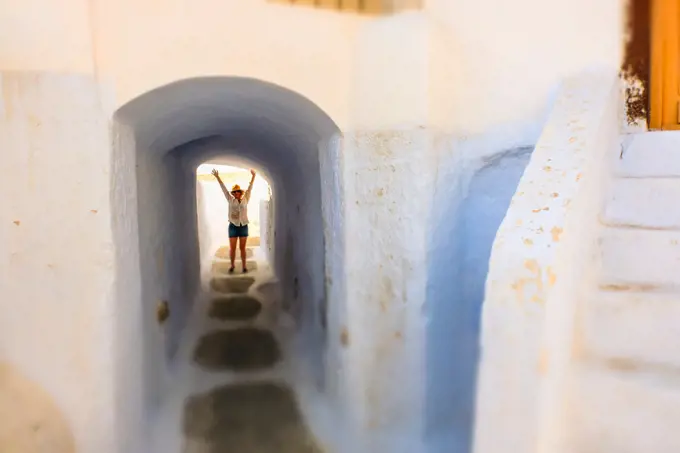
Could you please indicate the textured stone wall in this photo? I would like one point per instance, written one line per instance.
(540, 262)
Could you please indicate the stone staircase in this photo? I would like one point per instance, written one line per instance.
(627, 344)
(250, 411)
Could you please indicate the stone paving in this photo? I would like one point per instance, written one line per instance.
(222, 267)
(236, 307)
(241, 349)
(237, 284)
(260, 416)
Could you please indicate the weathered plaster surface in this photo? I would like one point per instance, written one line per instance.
(539, 260)
(415, 290)
(57, 260)
(415, 95)
(131, 336)
(385, 282)
(31, 423)
(470, 201)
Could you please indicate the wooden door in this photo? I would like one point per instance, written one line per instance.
(665, 68)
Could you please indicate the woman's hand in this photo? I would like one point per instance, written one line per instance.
(215, 173)
(252, 172)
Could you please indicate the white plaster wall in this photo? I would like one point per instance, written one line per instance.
(414, 283)
(59, 39)
(337, 383)
(204, 230)
(130, 333)
(482, 72)
(466, 65)
(539, 264)
(470, 201)
(469, 67)
(510, 57)
(252, 38)
(155, 182)
(386, 233)
(213, 216)
(57, 248)
(266, 209)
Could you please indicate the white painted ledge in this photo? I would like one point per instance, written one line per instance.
(538, 263)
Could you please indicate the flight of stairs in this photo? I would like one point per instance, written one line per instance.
(627, 380)
(235, 401)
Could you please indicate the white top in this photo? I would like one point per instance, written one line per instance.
(238, 212)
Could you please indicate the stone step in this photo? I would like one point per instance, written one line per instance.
(242, 349)
(237, 284)
(634, 327)
(638, 260)
(643, 204)
(238, 307)
(652, 154)
(259, 417)
(223, 252)
(623, 410)
(222, 267)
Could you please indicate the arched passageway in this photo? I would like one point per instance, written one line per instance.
(160, 139)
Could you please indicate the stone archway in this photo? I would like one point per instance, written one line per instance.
(160, 138)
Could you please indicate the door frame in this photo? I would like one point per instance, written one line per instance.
(664, 111)
(635, 67)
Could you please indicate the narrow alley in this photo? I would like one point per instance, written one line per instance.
(233, 390)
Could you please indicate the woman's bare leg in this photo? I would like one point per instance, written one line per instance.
(242, 245)
(232, 252)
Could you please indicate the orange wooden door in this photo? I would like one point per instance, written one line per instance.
(665, 67)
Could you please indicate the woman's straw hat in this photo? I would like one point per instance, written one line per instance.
(236, 188)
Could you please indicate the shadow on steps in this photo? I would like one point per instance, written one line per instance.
(238, 284)
(237, 307)
(261, 417)
(243, 349)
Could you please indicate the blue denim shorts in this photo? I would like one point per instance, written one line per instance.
(238, 231)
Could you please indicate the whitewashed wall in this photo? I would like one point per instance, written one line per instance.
(508, 58)
(473, 77)
(57, 247)
(540, 262)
